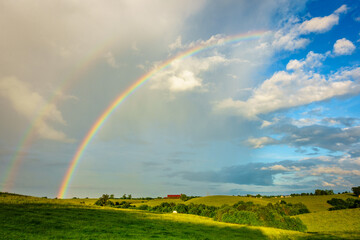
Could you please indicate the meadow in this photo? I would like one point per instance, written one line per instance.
(23, 217)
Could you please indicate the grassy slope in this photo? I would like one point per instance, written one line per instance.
(338, 224)
(24, 217)
(220, 200)
(342, 223)
(314, 203)
(36, 218)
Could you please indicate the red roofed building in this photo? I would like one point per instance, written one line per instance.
(173, 196)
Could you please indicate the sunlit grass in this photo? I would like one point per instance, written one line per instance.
(341, 222)
(220, 200)
(313, 203)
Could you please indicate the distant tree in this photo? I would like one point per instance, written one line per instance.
(112, 196)
(324, 192)
(123, 197)
(129, 196)
(183, 197)
(356, 190)
(104, 201)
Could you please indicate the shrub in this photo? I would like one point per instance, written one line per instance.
(104, 201)
(356, 190)
(341, 204)
(181, 208)
(242, 217)
(277, 215)
(143, 207)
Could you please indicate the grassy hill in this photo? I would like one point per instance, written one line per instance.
(342, 223)
(220, 200)
(24, 217)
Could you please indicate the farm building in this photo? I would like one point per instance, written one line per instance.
(173, 196)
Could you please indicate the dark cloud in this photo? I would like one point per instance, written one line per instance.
(337, 172)
(348, 122)
(319, 136)
(251, 173)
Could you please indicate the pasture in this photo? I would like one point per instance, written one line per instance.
(24, 217)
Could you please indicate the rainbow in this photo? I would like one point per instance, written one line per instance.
(30, 133)
(137, 84)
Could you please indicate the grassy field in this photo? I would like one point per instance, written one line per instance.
(313, 203)
(24, 217)
(38, 218)
(220, 200)
(342, 223)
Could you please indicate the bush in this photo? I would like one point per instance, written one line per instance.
(341, 204)
(277, 215)
(356, 190)
(242, 217)
(143, 207)
(104, 201)
(324, 192)
(181, 208)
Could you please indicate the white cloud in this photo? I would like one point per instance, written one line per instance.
(265, 124)
(285, 90)
(304, 122)
(184, 74)
(312, 60)
(289, 37)
(278, 167)
(260, 142)
(326, 184)
(333, 170)
(29, 104)
(177, 44)
(289, 41)
(56, 39)
(342, 9)
(319, 24)
(184, 81)
(343, 47)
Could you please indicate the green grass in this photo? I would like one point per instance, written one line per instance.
(313, 203)
(220, 200)
(156, 202)
(342, 223)
(46, 219)
(23, 217)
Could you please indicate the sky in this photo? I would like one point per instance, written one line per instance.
(274, 114)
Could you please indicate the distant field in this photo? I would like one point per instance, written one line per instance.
(314, 203)
(220, 200)
(156, 202)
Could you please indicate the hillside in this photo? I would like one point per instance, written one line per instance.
(26, 217)
(342, 223)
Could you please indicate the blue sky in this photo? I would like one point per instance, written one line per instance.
(274, 115)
